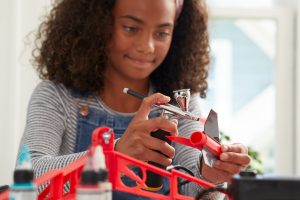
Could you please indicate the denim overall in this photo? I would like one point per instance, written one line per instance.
(118, 122)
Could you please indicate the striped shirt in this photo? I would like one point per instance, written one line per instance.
(50, 131)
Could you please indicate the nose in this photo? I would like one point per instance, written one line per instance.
(145, 43)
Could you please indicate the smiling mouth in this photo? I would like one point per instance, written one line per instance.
(140, 61)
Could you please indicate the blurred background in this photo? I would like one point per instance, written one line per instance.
(252, 85)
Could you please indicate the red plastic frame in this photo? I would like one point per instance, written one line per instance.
(118, 165)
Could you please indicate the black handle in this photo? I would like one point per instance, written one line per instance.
(154, 181)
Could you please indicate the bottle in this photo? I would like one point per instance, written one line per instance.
(102, 172)
(94, 184)
(23, 187)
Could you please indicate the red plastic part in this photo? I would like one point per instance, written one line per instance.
(198, 140)
(4, 195)
(201, 139)
(118, 165)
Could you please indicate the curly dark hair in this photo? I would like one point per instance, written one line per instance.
(71, 47)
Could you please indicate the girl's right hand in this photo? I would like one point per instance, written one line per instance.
(137, 141)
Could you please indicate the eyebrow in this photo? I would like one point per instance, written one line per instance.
(140, 21)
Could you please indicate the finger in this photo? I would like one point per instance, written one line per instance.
(237, 158)
(159, 145)
(175, 121)
(238, 148)
(223, 176)
(161, 123)
(157, 157)
(149, 101)
(227, 167)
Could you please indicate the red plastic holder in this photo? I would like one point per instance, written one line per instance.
(118, 165)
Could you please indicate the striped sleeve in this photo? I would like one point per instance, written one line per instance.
(45, 128)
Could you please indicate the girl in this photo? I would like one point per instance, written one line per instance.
(89, 50)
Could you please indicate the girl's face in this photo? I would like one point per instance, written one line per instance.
(142, 35)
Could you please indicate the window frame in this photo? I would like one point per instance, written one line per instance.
(297, 91)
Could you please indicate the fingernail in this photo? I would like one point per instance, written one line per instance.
(166, 98)
(224, 156)
(224, 148)
(175, 121)
(163, 100)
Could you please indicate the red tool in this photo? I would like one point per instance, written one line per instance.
(209, 139)
(198, 140)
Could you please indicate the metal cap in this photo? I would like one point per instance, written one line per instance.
(182, 98)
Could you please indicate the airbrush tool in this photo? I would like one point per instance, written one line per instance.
(168, 107)
(206, 141)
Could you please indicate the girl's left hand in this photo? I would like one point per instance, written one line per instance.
(233, 159)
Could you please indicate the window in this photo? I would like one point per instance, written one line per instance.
(251, 81)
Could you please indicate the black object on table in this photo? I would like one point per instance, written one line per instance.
(249, 186)
(3, 188)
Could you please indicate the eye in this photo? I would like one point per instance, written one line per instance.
(162, 34)
(130, 29)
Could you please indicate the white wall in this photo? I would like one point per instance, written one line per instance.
(17, 77)
(7, 87)
(295, 5)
